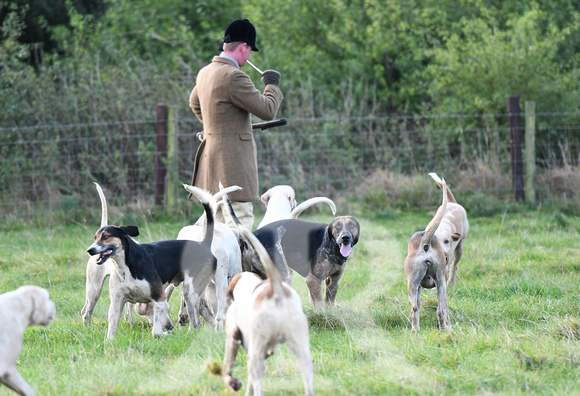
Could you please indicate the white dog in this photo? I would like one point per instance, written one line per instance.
(452, 231)
(96, 274)
(19, 309)
(264, 314)
(280, 204)
(226, 249)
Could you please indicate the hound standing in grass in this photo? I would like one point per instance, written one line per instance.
(226, 249)
(96, 274)
(452, 231)
(317, 251)
(426, 267)
(143, 270)
(264, 314)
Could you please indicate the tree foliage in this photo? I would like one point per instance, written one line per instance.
(344, 58)
(398, 56)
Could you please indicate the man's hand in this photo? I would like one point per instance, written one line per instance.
(271, 77)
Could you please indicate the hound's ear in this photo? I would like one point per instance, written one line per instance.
(266, 197)
(291, 194)
(354, 229)
(456, 236)
(40, 303)
(132, 230)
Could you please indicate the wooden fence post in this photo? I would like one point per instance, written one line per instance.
(172, 177)
(530, 149)
(160, 152)
(514, 117)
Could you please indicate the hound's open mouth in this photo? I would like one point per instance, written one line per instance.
(105, 255)
(345, 249)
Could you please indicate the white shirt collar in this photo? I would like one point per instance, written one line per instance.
(230, 58)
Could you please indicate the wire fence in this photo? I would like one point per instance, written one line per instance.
(53, 166)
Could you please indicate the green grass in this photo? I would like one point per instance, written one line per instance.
(515, 312)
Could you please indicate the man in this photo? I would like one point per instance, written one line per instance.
(223, 99)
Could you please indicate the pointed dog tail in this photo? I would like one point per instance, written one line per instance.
(311, 202)
(210, 207)
(225, 190)
(104, 212)
(271, 270)
(439, 181)
(434, 224)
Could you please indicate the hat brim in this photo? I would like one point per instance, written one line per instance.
(254, 48)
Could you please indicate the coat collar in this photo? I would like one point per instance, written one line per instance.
(226, 61)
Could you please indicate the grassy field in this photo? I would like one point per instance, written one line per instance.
(515, 312)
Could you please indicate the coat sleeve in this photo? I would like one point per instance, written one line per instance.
(194, 103)
(244, 94)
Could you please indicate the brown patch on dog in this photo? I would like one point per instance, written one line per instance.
(231, 287)
(267, 292)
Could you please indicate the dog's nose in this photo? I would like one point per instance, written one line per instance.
(91, 251)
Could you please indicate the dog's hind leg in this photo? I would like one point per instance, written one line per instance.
(96, 275)
(192, 301)
(183, 316)
(129, 312)
(414, 289)
(207, 307)
(455, 263)
(256, 366)
(299, 344)
(442, 304)
(233, 340)
(221, 283)
(13, 380)
(206, 310)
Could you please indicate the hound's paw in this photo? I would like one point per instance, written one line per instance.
(162, 334)
(183, 319)
(235, 384)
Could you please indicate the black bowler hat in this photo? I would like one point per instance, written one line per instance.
(240, 30)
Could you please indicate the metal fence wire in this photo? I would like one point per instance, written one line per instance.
(55, 165)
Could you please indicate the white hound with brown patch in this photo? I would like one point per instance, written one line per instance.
(262, 315)
(452, 231)
(426, 267)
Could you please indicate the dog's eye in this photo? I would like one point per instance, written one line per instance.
(446, 241)
(105, 237)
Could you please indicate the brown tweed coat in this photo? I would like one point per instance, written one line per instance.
(223, 99)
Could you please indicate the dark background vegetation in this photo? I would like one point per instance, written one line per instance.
(377, 94)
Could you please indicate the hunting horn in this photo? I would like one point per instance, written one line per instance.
(255, 68)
